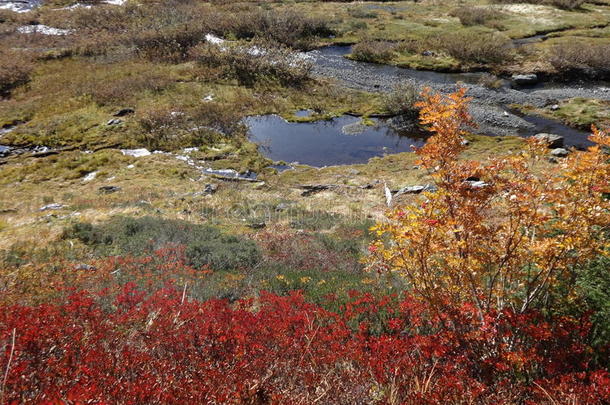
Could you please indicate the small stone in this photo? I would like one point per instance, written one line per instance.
(109, 189)
(114, 121)
(554, 107)
(123, 112)
(83, 266)
(210, 188)
(560, 152)
(282, 207)
(257, 225)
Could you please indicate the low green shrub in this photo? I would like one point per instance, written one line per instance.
(472, 47)
(401, 100)
(574, 57)
(15, 69)
(204, 245)
(469, 15)
(373, 51)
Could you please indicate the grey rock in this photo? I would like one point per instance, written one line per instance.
(123, 112)
(553, 140)
(315, 188)
(83, 266)
(525, 80)
(554, 107)
(257, 225)
(210, 188)
(114, 121)
(416, 189)
(560, 152)
(54, 206)
(109, 189)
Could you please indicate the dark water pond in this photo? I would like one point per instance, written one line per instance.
(339, 141)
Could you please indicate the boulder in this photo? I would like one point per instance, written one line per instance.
(560, 152)
(416, 189)
(553, 141)
(123, 112)
(525, 80)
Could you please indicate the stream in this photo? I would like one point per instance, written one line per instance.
(324, 143)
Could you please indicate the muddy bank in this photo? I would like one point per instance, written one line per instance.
(490, 107)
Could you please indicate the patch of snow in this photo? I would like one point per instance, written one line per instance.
(131, 166)
(213, 39)
(136, 152)
(42, 29)
(76, 6)
(17, 7)
(208, 98)
(89, 176)
(115, 2)
(190, 150)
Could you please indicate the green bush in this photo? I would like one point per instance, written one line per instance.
(594, 286)
(205, 245)
(475, 47)
(15, 69)
(401, 100)
(469, 15)
(373, 51)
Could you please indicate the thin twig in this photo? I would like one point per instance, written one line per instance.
(8, 366)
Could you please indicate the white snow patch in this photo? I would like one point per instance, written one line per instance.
(17, 7)
(89, 176)
(213, 39)
(136, 152)
(42, 29)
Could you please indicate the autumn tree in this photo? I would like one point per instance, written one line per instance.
(501, 233)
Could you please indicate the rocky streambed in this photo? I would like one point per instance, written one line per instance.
(490, 108)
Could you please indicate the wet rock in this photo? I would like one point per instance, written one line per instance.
(560, 152)
(525, 80)
(553, 140)
(109, 189)
(114, 121)
(123, 112)
(49, 207)
(210, 188)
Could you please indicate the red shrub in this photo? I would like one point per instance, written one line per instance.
(162, 348)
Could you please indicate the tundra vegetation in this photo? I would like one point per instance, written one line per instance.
(131, 277)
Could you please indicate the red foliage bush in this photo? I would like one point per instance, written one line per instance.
(162, 348)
